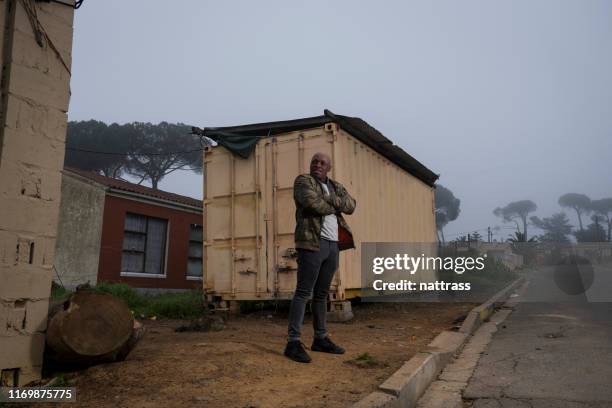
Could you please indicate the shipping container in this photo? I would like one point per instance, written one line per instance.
(249, 212)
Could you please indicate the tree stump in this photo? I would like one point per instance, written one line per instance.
(91, 328)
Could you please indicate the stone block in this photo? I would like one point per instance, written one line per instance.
(8, 248)
(39, 154)
(29, 216)
(412, 379)
(65, 15)
(36, 315)
(24, 350)
(10, 182)
(28, 374)
(340, 312)
(23, 316)
(446, 344)
(11, 255)
(16, 322)
(57, 28)
(471, 323)
(25, 282)
(9, 316)
(21, 180)
(41, 121)
(27, 53)
(45, 252)
(34, 85)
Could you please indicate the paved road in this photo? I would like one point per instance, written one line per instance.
(556, 352)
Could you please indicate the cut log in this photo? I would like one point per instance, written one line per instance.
(91, 328)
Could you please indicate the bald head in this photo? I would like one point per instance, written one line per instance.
(320, 164)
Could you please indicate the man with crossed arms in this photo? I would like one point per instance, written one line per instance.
(320, 234)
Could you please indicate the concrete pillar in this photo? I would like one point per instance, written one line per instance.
(35, 80)
(340, 311)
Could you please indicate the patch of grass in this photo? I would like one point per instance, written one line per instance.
(365, 360)
(183, 305)
(186, 305)
(60, 381)
(364, 357)
(123, 291)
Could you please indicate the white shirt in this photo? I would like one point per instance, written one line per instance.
(329, 228)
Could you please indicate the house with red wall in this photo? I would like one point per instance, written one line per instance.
(114, 231)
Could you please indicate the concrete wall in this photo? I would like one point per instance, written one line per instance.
(35, 95)
(77, 250)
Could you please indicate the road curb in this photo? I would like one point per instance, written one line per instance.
(482, 312)
(404, 387)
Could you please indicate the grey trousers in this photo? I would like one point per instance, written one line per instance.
(314, 275)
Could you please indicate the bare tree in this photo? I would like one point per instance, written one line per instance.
(516, 211)
(447, 208)
(158, 150)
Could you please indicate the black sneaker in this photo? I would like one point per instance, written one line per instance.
(295, 351)
(325, 345)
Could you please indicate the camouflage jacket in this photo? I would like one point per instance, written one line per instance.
(312, 204)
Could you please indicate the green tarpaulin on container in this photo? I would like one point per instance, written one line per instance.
(239, 145)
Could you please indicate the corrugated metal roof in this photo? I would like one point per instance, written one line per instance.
(135, 188)
(357, 127)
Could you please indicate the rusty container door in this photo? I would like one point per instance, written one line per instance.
(234, 247)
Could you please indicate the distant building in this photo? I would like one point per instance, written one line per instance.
(502, 251)
(115, 231)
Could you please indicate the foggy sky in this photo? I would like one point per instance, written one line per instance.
(505, 100)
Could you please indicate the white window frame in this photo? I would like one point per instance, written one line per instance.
(165, 266)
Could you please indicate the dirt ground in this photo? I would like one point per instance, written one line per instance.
(243, 365)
